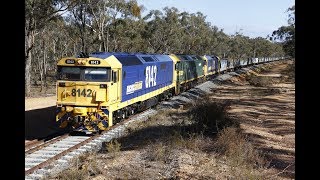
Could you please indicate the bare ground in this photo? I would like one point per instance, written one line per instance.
(262, 146)
(39, 102)
(267, 114)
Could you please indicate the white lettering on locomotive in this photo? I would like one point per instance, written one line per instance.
(151, 76)
(96, 62)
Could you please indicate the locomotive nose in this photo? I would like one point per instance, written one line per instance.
(82, 93)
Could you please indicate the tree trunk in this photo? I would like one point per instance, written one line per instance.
(83, 46)
(28, 75)
(107, 41)
(45, 66)
(41, 79)
(100, 41)
(104, 43)
(28, 60)
(42, 69)
(74, 48)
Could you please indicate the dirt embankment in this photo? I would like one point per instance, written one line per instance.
(244, 129)
(39, 102)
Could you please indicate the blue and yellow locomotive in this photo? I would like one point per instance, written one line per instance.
(96, 91)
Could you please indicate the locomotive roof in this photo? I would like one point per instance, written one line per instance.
(130, 59)
(186, 57)
(211, 56)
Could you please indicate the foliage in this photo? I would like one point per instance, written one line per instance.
(59, 28)
(286, 34)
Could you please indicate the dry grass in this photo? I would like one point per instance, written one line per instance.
(176, 140)
(290, 73)
(263, 81)
(209, 117)
(158, 152)
(233, 144)
(72, 174)
(113, 147)
(163, 117)
(260, 81)
(84, 166)
(243, 159)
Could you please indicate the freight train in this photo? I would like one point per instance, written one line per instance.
(95, 91)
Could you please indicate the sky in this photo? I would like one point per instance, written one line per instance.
(252, 18)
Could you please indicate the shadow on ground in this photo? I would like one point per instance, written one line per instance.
(40, 124)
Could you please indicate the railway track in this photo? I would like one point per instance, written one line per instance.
(38, 144)
(30, 144)
(53, 155)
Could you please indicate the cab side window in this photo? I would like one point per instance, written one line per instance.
(115, 76)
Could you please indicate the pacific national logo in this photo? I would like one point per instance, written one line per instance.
(133, 87)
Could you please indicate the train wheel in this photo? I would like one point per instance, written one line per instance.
(131, 111)
(123, 114)
(127, 113)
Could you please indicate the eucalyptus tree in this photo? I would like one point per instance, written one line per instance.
(37, 14)
(123, 13)
(261, 47)
(163, 31)
(154, 31)
(119, 13)
(196, 33)
(173, 30)
(79, 18)
(50, 46)
(286, 34)
(221, 45)
(239, 46)
(98, 11)
(277, 49)
(129, 32)
(258, 47)
(216, 40)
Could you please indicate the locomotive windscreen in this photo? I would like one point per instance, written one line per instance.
(84, 74)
